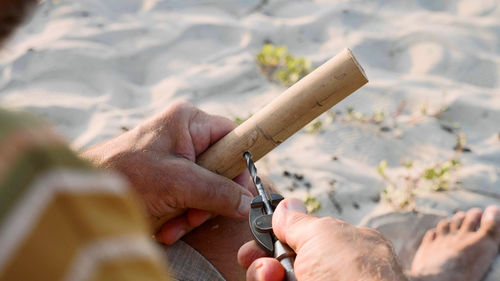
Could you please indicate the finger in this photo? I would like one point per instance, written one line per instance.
(197, 217)
(173, 230)
(265, 269)
(192, 186)
(471, 220)
(244, 180)
(176, 228)
(206, 129)
(291, 224)
(456, 221)
(490, 222)
(250, 252)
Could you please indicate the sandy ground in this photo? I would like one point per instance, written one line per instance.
(95, 68)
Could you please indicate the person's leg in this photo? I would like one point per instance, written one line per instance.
(219, 240)
(459, 249)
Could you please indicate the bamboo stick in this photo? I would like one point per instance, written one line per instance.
(289, 112)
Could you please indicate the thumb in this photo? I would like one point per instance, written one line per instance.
(291, 224)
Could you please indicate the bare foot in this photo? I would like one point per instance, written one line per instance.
(459, 249)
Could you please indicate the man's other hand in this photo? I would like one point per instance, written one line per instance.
(327, 249)
(158, 157)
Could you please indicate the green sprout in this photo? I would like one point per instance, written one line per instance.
(400, 190)
(401, 199)
(378, 116)
(408, 164)
(382, 166)
(314, 127)
(312, 204)
(239, 120)
(353, 115)
(331, 116)
(294, 70)
(424, 108)
(461, 141)
(279, 65)
(439, 175)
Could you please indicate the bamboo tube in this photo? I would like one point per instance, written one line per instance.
(289, 112)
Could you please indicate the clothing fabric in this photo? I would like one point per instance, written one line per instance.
(188, 264)
(61, 219)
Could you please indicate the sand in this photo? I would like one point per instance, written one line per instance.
(96, 68)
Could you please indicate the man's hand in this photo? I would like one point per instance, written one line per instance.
(327, 249)
(158, 157)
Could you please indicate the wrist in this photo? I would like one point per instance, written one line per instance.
(109, 153)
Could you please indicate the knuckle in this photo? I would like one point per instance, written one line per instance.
(430, 232)
(210, 192)
(474, 211)
(385, 248)
(330, 222)
(176, 112)
(370, 231)
(180, 106)
(443, 224)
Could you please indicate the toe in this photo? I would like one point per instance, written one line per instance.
(471, 220)
(490, 222)
(456, 221)
(429, 236)
(443, 227)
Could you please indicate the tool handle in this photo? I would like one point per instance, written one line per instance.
(290, 275)
(285, 115)
(286, 256)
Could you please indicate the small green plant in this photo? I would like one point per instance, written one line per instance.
(318, 125)
(294, 70)
(461, 142)
(270, 58)
(399, 198)
(382, 166)
(279, 65)
(424, 108)
(331, 116)
(312, 204)
(354, 115)
(239, 120)
(401, 189)
(314, 127)
(425, 111)
(378, 116)
(408, 164)
(439, 175)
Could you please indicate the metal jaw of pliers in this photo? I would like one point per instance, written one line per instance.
(261, 222)
(261, 218)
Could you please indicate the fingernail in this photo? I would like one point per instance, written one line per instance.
(295, 205)
(260, 272)
(244, 207)
(492, 214)
(179, 235)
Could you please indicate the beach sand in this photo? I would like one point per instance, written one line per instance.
(97, 68)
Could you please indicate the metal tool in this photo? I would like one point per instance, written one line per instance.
(261, 215)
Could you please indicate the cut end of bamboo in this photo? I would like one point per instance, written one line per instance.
(286, 114)
(361, 69)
